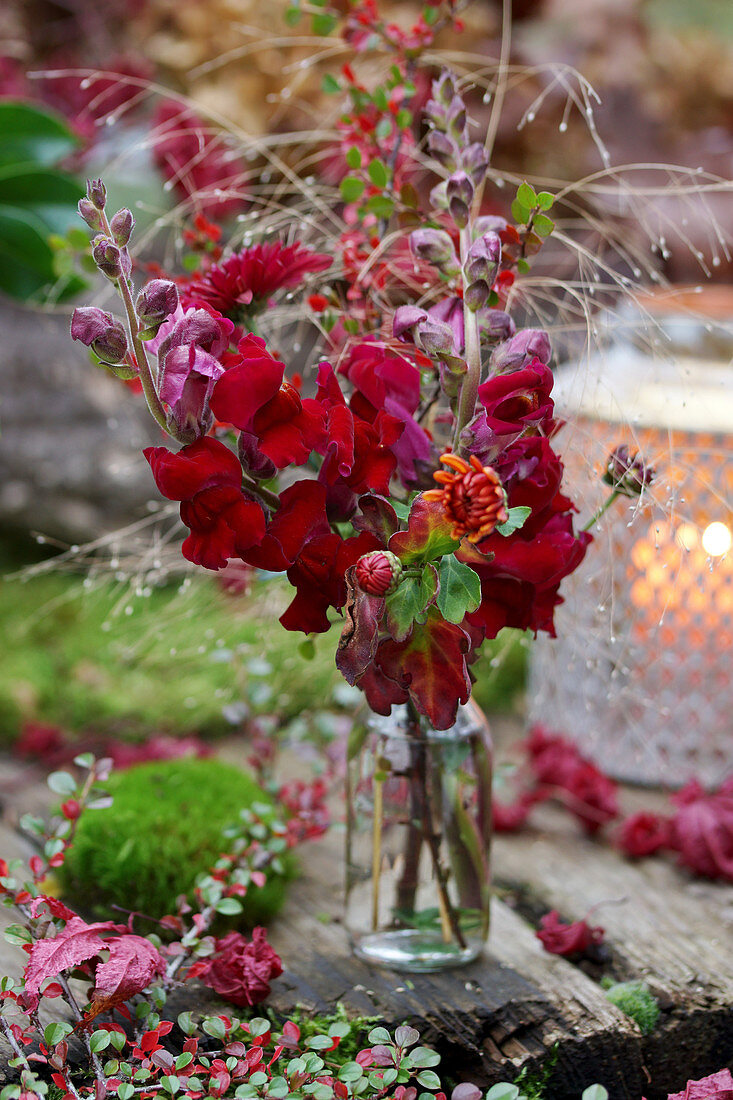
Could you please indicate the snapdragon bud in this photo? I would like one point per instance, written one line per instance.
(444, 89)
(528, 344)
(436, 337)
(476, 295)
(90, 214)
(456, 120)
(156, 301)
(474, 161)
(444, 149)
(627, 474)
(101, 332)
(97, 193)
(482, 261)
(495, 324)
(112, 261)
(459, 191)
(122, 225)
(436, 247)
(405, 319)
(378, 573)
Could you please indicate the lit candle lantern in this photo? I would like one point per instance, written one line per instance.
(640, 674)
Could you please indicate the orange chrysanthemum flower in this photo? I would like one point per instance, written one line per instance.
(472, 496)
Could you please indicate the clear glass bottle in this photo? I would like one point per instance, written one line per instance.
(418, 872)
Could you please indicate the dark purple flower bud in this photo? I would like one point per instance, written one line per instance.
(444, 149)
(475, 162)
(112, 261)
(489, 223)
(495, 324)
(156, 301)
(101, 332)
(459, 191)
(450, 310)
(627, 474)
(476, 295)
(90, 214)
(444, 89)
(122, 225)
(435, 246)
(405, 319)
(435, 337)
(516, 353)
(457, 120)
(252, 459)
(200, 327)
(97, 193)
(482, 261)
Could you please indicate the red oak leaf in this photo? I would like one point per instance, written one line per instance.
(567, 939)
(358, 642)
(718, 1086)
(76, 943)
(55, 907)
(427, 535)
(431, 665)
(132, 964)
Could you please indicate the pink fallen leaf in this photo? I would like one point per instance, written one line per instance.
(718, 1086)
(76, 943)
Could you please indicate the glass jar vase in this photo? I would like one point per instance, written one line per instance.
(418, 878)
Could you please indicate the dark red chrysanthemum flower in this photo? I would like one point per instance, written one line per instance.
(472, 497)
(243, 283)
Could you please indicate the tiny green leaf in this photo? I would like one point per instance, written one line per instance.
(353, 157)
(352, 188)
(516, 519)
(323, 24)
(61, 783)
(378, 173)
(330, 84)
(542, 225)
(229, 906)
(460, 589)
(99, 1040)
(55, 1032)
(527, 195)
(520, 212)
(545, 200)
(595, 1092)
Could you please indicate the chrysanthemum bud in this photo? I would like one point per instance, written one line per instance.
(90, 214)
(627, 474)
(101, 332)
(97, 193)
(122, 225)
(112, 261)
(435, 246)
(482, 261)
(378, 573)
(156, 301)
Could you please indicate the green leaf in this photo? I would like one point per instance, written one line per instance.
(185, 1022)
(384, 128)
(293, 15)
(404, 118)
(229, 906)
(30, 135)
(381, 205)
(99, 1040)
(545, 200)
(520, 212)
(352, 188)
(350, 1072)
(17, 934)
(379, 1036)
(527, 195)
(353, 157)
(523, 266)
(460, 589)
(428, 534)
(55, 1032)
(542, 225)
(61, 783)
(323, 24)
(50, 195)
(424, 1057)
(516, 519)
(503, 1091)
(595, 1092)
(330, 85)
(428, 1079)
(26, 260)
(378, 173)
(410, 601)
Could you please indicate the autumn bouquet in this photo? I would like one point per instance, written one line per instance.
(407, 484)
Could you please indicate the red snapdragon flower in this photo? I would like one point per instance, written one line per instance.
(319, 577)
(207, 478)
(244, 282)
(241, 969)
(557, 762)
(643, 834)
(254, 396)
(520, 400)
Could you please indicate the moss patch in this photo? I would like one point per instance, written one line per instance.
(163, 829)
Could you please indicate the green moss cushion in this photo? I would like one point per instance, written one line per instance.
(162, 831)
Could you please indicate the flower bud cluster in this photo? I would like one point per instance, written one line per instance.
(435, 247)
(106, 337)
(448, 142)
(627, 474)
(156, 301)
(480, 269)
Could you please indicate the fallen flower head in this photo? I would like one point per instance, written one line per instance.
(568, 940)
(241, 969)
